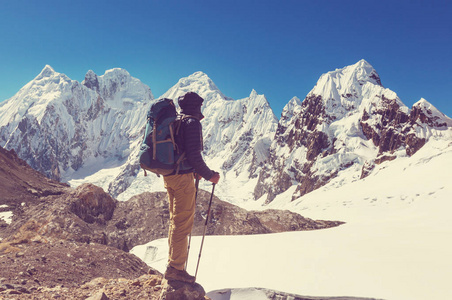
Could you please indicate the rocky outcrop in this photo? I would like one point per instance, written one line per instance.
(302, 135)
(177, 290)
(92, 204)
(399, 129)
(228, 219)
(145, 217)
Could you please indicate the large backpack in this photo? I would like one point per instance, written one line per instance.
(159, 152)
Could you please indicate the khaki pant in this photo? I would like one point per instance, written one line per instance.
(181, 194)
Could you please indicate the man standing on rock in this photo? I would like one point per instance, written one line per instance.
(181, 187)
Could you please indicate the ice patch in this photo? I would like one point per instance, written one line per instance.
(6, 216)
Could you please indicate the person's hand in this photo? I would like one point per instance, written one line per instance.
(215, 178)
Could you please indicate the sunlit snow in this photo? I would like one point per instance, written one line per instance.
(396, 243)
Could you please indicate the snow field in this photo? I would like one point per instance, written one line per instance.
(6, 215)
(395, 245)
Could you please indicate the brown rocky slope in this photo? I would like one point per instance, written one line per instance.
(73, 243)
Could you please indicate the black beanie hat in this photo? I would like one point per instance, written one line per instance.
(190, 100)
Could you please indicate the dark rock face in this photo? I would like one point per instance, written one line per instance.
(398, 129)
(317, 139)
(389, 133)
(91, 81)
(413, 143)
(137, 221)
(421, 114)
(40, 159)
(303, 134)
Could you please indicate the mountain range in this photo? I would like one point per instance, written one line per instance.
(91, 131)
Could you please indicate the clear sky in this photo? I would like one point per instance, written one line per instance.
(279, 48)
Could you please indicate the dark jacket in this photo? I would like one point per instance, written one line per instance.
(190, 141)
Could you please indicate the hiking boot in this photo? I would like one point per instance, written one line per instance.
(180, 275)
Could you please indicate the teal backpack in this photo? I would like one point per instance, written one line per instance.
(159, 152)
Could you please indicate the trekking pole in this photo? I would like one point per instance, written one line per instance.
(205, 227)
(189, 237)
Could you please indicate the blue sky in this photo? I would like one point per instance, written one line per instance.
(279, 48)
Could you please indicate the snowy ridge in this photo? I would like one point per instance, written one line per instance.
(237, 137)
(91, 131)
(199, 83)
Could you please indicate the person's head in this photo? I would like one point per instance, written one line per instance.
(190, 104)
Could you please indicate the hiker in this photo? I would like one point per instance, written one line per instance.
(181, 186)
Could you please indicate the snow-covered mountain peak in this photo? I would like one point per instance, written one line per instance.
(341, 79)
(200, 75)
(91, 81)
(48, 71)
(35, 96)
(256, 99)
(116, 73)
(48, 75)
(118, 87)
(292, 108)
(422, 103)
(291, 105)
(345, 127)
(253, 93)
(74, 124)
(347, 124)
(342, 90)
(427, 113)
(196, 79)
(362, 71)
(199, 83)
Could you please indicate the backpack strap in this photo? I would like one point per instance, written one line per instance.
(178, 122)
(179, 161)
(173, 141)
(179, 119)
(154, 140)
